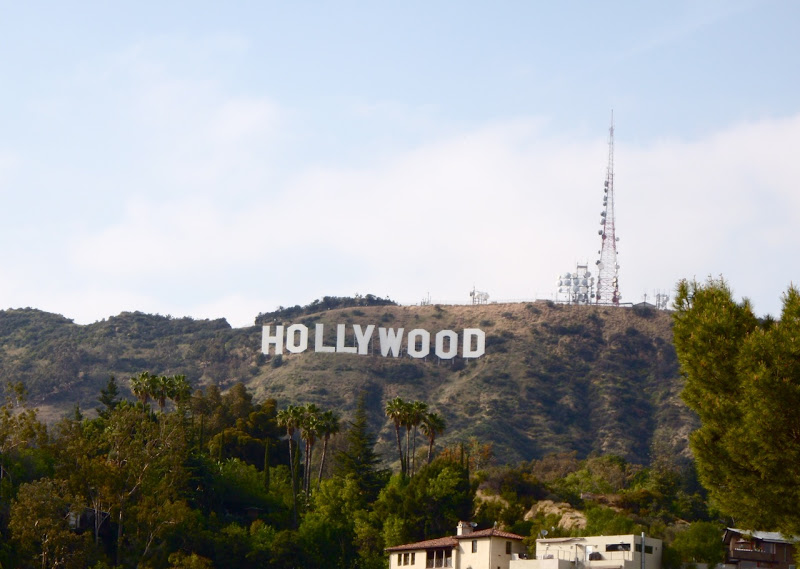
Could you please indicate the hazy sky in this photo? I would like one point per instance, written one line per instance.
(214, 159)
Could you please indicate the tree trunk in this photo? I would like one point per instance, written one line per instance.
(322, 461)
(294, 476)
(400, 449)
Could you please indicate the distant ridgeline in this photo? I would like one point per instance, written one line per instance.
(326, 303)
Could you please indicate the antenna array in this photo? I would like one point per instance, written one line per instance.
(607, 266)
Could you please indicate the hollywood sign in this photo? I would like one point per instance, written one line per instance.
(295, 339)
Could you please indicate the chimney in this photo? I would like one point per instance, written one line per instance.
(464, 528)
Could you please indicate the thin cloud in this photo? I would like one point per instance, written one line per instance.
(504, 208)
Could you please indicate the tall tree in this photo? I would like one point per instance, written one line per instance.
(743, 380)
(395, 410)
(328, 426)
(141, 386)
(290, 419)
(108, 397)
(359, 459)
(309, 430)
(406, 419)
(432, 426)
(416, 412)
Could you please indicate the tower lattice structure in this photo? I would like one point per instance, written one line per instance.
(607, 266)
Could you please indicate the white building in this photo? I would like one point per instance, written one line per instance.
(596, 552)
(468, 549)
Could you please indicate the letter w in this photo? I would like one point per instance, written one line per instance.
(390, 341)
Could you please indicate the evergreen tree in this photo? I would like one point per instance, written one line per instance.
(359, 458)
(743, 380)
(108, 397)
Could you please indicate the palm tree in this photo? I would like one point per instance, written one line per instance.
(406, 421)
(416, 412)
(432, 425)
(309, 430)
(141, 386)
(179, 389)
(290, 418)
(395, 410)
(328, 426)
(160, 388)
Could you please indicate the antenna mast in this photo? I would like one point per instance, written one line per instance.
(607, 266)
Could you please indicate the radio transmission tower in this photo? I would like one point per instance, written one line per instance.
(607, 266)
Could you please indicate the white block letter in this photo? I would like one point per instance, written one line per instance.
(294, 345)
(390, 340)
(363, 337)
(452, 344)
(480, 343)
(276, 340)
(319, 340)
(340, 338)
(425, 348)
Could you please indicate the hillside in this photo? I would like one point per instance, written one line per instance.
(554, 377)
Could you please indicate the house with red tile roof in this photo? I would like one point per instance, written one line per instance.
(468, 549)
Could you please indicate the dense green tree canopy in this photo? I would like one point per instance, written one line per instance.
(743, 380)
(207, 482)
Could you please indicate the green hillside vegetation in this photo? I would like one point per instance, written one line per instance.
(217, 480)
(555, 378)
(210, 454)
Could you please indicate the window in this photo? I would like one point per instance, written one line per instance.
(439, 558)
(618, 547)
(412, 557)
(647, 548)
(508, 548)
(474, 546)
(405, 559)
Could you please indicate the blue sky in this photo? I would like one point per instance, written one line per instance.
(219, 160)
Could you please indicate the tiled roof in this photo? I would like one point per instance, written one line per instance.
(443, 542)
(491, 532)
(452, 541)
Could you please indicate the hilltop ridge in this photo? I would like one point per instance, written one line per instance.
(594, 380)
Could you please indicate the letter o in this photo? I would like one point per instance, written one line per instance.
(425, 337)
(453, 344)
(293, 344)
